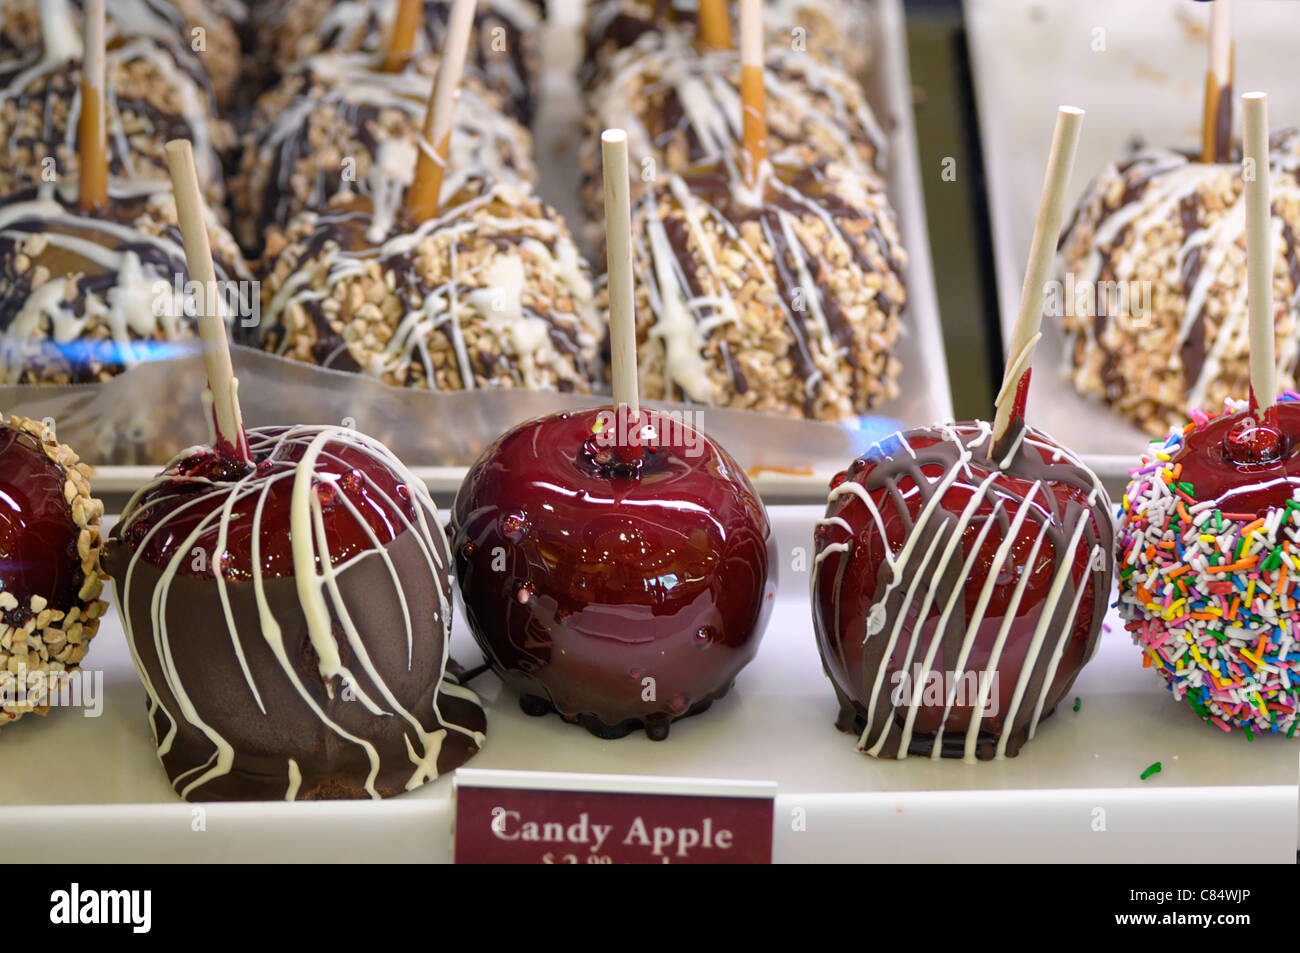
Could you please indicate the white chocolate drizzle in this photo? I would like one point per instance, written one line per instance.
(1123, 223)
(918, 589)
(497, 292)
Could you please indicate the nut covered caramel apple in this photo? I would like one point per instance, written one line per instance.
(620, 593)
(84, 296)
(289, 620)
(682, 108)
(505, 51)
(371, 122)
(158, 88)
(50, 578)
(839, 32)
(789, 306)
(1167, 232)
(956, 598)
(491, 292)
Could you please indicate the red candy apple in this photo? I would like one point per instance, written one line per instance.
(38, 536)
(962, 570)
(945, 585)
(622, 587)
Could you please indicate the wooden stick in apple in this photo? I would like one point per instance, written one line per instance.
(1010, 401)
(222, 388)
(714, 25)
(401, 41)
(435, 142)
(1216, 125)
(1259, 252)
(622, 304)
(92, 136)
(753, 97)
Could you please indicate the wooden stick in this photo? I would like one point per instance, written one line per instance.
(618, 257)
(1216, 125)
(401, 42)
(1042, 251)
(753, 96)
(714, 25)
(92, 135)
(229, 421)
(1259, 251)
(435, 142)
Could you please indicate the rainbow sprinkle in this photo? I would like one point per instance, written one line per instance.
(1212, 598)
(1153, 768)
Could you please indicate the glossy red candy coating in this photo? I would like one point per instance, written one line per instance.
(38, 537)
(197, 487)
(859, 598)
(1215, 460)
(581, 582)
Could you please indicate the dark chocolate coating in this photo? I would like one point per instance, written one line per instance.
(330, 766)
(288, 728)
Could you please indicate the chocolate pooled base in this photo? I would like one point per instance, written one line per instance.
(266, 743)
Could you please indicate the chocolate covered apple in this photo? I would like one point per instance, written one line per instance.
(289, 621)
(285, 595)
(50, 578)
(962, 571)
(616, 565)
(426, 283)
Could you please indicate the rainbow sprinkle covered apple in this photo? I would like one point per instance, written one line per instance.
(621, 590)
(1208, 545)
(1210, 525)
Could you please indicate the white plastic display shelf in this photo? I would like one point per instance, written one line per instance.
(1138, 69)
(925, 396)
(78, 789)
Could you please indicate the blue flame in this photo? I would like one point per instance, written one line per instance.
(108, 353)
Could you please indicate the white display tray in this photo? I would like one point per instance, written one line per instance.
(925, 396)
(1030, 56)
(78, 789)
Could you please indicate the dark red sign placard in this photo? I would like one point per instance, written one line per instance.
(500, 825)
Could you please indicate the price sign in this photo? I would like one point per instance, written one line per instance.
(536, 817)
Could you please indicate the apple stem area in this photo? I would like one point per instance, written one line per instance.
(619, 440)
